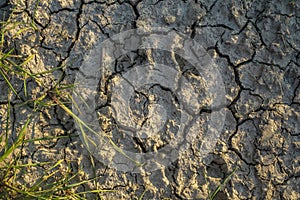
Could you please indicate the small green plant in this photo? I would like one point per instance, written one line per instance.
(221, 186)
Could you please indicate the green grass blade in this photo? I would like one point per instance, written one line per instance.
(7, 123)
(28, 59)
(8, 83)
(77, 184)
(30, 165)
(21, 31)
(50, 138)
(17, 143)
(25, 87)
(6, 55)
(47, 71)
(82, 123)
(143, 194)
(95, 191)
(219, 188)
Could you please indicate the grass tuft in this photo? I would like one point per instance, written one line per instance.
(57, 179)
(222, 185)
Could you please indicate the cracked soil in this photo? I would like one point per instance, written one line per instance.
(256, 46)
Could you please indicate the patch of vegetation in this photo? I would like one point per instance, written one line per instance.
(52, 183)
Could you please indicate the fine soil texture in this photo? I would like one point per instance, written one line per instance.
(236, 123)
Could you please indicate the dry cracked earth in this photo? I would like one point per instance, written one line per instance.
(256, 46)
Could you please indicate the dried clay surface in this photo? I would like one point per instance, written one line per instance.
(256, 48)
